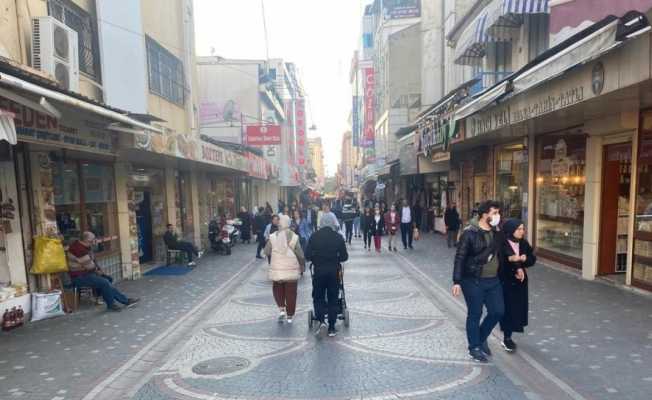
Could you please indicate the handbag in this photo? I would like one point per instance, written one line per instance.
(415, 234)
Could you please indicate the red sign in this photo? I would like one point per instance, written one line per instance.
(369, 131)
(257, 166)
(263, 135)
(301, 131)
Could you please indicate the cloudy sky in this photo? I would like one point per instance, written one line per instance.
(318, 36)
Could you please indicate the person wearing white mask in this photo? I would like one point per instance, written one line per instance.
(475, 275)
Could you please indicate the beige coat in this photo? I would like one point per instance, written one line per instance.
(287, 261)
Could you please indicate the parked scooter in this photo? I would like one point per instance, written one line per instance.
(218, 236)
(233, 226)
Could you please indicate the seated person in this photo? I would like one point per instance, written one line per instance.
(173, 243)
(85, 272)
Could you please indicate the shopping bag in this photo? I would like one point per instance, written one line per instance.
(46, 305)
(49, 256)
(415, 234)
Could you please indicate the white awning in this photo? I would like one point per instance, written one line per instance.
(7, 128)
(505, 16)
(472, 45)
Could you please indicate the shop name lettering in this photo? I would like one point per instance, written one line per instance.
(506, 116)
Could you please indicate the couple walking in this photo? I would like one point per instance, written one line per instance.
(490, 271)
(376, 225)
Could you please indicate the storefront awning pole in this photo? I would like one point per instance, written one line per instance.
(18, 83)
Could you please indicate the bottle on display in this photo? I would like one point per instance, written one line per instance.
(20, 316)
(5, 321)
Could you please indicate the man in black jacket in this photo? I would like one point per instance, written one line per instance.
(326, 250)
(452, 222)
(475, 274)
(260, 223)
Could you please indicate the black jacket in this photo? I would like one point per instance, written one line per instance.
(365, 221)
(472, 253)
(515, 292)
(376, 229)
(452, 219)
(326, 250)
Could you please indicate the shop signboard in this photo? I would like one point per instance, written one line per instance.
(257, 166)
(75, 134)
(397, 9)
(301, 131)
(215, 155)
(369, 132)
(263, 135)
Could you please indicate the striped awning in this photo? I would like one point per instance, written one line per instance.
(471, 46)
(505, 16)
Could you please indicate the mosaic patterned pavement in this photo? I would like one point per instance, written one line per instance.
(400, 344)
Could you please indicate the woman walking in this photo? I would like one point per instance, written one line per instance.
(365, 222)
(301, 227)
(515, 256)
(245, 217)
(286, 265)
(392, 223)
(377, 226)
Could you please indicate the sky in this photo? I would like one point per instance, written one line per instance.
(319, 36)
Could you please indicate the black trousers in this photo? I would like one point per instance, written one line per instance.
(406, 234)
(261, 244)
(349, 230)
(367, 235)
(325, 296)
(187, 248)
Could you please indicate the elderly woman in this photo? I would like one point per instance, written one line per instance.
(286, 265)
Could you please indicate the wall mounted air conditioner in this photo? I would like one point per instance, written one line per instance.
(54, 50)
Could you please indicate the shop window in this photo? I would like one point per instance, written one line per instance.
(84, 198)
(642, 263)
(512, 180)
(166, 77)
(560, 181)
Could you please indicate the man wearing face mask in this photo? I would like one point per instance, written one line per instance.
(475, 274)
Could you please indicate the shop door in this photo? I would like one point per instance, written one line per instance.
(144, 223)
(614, 216)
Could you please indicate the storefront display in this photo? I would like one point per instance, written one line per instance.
(148, 200)
(560, 181)
(512, 180)
(642, 262)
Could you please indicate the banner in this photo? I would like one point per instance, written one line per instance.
(301, 131)
(397, 9)
(355, 121)
(369, 131)
(263, 135)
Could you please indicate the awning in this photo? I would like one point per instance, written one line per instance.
(505, 16)
(471, 46)
(7, 128)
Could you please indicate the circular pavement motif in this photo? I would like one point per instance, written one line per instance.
(221, 366)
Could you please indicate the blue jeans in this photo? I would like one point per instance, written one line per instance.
(108, 292)
(478, 293)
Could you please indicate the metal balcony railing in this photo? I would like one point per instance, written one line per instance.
(488, 79)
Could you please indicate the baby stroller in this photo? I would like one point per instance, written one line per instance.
(343, 312)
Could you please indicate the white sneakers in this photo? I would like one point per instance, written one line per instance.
(281, 316)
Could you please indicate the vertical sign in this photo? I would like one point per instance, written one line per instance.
(355, 117)
(368, 133)
(301, 131)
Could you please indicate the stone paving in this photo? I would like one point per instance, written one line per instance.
(399, 345)
(595, 337)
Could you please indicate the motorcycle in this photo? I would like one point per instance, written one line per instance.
(219, 237)
(233, 227)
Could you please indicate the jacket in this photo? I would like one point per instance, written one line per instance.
(376, 229)
(452, 219)
(285, 265)
(326, 250)
(515, 292)
(472, 253)
(392, 227)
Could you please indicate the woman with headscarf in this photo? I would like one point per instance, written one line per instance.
(515, 256)
(286, 265)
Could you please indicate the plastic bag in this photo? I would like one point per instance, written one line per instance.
(46, 305)
(49, 256)
(416, 234)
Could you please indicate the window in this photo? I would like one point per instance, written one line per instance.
(81, 22)
(166, 77)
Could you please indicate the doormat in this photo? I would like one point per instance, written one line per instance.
(169, 270)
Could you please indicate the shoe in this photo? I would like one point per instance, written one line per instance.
(281, 317)
(332, 332)
(290, 319)
(395, 249)
(260, 257)
(321, 331)
(114, 308)
(132, 302)
(477, 355)
(404, 248)
(192, 264)
(411, 248)
(200, 254)
(509, 345)
(99, 301)
(485, 349)
(368, 248)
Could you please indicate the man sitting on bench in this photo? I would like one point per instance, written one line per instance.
(173, 243)
(84, 272)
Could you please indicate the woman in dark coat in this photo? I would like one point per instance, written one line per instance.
(245, 217)
(515, 256)
(365, 225)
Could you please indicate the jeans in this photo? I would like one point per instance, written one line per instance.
(406, 234)
(325, 295)
(349, 230)
(356, 226)
(187, 248)
(108, 292)
(478, 293)
(366, 236)
(285, 295)
(452, 237)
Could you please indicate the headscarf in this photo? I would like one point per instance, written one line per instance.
(328, 220)
(510, 226)
(281, 234)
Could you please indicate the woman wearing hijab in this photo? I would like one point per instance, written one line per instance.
(286, 265)
(515, 256)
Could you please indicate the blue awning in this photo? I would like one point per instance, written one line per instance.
(471, 46)
(505, 16)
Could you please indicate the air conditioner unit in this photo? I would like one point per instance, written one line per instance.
(54, 50)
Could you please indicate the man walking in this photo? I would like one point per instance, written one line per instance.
(260, 224)
(406, 225)
(475, 274)
(452, 222)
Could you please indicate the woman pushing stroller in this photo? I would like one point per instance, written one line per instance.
(326, 250)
